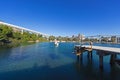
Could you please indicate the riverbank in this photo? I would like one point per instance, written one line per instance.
(16, 43)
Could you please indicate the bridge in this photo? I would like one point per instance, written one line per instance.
(101, 51)
(22, 29)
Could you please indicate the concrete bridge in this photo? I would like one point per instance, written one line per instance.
(22, 29)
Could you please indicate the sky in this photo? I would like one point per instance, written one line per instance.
(64, 17)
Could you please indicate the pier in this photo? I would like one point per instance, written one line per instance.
(101, 51)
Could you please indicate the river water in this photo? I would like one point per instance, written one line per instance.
(45, 61)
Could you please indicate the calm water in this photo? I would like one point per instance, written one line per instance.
(44, 61)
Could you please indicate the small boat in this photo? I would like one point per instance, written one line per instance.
(56, 42)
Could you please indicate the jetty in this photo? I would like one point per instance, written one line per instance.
(100, 50)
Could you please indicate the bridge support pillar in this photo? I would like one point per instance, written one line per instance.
(89, 54)
(78, 57)
(101, 61)
(79, 54)
(112, 58)
(100, 53)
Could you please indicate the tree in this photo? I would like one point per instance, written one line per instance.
(5, 32)
(17, 35)
(51, 38)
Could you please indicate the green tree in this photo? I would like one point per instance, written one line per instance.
(5, 32)
(51, 38)
(9, 34)
(17, 35)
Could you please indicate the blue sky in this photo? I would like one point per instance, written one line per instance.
(64, 17)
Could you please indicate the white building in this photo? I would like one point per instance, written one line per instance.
(118, 39)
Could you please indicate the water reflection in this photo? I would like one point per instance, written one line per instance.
(4, 53)
(45, 61)
(38, 55)
(90, 72)
(115, 72)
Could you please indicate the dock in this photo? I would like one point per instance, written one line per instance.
(109, 49)
(100, 50)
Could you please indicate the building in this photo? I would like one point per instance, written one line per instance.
(117, 39)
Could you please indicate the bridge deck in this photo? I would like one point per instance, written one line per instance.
(109, 49)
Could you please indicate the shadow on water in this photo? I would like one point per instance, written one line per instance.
(87, 71)
(115, 72)
(34, 73)
(65, 72)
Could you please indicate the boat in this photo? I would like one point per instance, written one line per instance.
(56, 42)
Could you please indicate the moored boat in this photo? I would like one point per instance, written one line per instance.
(56, 42)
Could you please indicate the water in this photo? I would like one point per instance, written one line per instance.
(45, 61)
